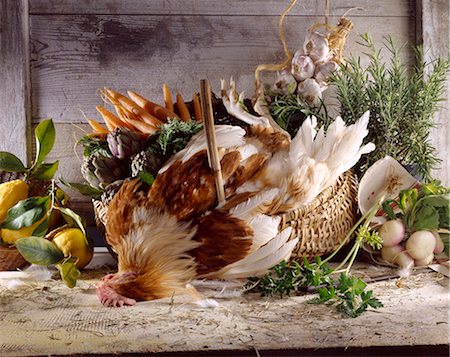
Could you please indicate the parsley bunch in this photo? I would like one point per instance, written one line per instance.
(348, 293)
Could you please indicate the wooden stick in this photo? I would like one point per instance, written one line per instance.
(208, 122)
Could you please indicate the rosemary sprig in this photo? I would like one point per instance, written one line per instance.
(289, 112)
(401, 101)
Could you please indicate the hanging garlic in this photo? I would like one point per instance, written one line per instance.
(310, 91)
(323, 72)
(316, 46)
(285, 84)
(302, 66)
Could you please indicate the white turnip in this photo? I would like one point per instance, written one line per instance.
(397, 255)
(420, 244)
(424, 262)
(439, 247)
(392, 232)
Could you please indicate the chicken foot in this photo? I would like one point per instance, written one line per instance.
(109, 297)
(232, 102)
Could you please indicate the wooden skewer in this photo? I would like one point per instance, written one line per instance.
(208, 122)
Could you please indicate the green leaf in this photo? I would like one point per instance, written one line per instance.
(39, 251)
(147, 177)
(11, 163)
(73, 220)
(69, 272)
(84, 189)
(26, 212)
(388, 209)
(42, 229)
(45, 171)
(375, 303)
(45, 138)
(436, 200)
(427, 218)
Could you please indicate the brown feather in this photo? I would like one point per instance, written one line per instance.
(185, 190)
(273, 141)
(224, 240)
(121, 209)
(245, 172)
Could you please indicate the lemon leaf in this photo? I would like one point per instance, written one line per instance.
(42, 229)
(73, 219)
(69, 272)
(26, 212)
(45, 138)
(45, 171)
(11, 163)
(38, 251)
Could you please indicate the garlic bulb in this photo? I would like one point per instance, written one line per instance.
(309, 90)
(323, 72)
(285, 84)
(316, 46)
(302, 67)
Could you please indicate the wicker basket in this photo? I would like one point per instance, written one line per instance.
(320, 226)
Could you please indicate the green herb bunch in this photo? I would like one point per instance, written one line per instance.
(289, 111)
(347, 293)
(401, 100)
(173, 136)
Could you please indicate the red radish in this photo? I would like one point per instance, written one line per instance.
(424, 262)
(439, 247)
(392, 232)
(421, 244)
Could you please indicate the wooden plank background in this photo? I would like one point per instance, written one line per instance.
(14, 78)
(78, 46)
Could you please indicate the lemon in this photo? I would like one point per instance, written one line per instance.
(72, 242)
(10, 236)
(10, 193)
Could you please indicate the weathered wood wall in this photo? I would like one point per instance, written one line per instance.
(78, 46)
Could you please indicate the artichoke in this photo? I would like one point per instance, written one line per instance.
(145, 161)
(124, 143)
(100, 171)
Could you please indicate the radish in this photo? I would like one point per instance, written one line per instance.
(392, 232)
(439, 248)
(398, 256)
(424, 262)
(421, 244)
(390, 253)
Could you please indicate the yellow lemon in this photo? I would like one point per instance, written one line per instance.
(72, 242)
(10, 236)
(11, 193)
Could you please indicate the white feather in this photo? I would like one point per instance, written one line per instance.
(263, 265)
(252, 260)
(247, 209)
(247, 150)
(264, 229)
